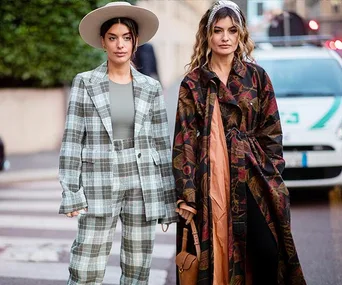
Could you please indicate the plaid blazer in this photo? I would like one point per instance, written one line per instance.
(86, 156)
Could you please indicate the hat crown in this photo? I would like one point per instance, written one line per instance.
(119, 3)
(90, 25)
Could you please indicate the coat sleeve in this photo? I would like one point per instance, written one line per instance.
(73, 197)
(162, 142)
(269, 133)
(185, 147)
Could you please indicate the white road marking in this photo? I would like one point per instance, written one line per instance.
(30, 194)
(60, 222)
(23, 248)
(59, 271)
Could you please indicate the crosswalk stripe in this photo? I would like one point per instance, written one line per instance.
(20, 176)
(42, 249)
(59, 271)
(59, 223)
(42, 185)
(32, 222)
(30, 194)
(34, 206)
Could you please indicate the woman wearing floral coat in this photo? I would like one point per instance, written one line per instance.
(228, 160)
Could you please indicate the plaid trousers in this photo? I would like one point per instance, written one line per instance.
(91, 248)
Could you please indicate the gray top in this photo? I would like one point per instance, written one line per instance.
(122, 109)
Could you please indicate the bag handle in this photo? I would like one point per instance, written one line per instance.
(181, 204)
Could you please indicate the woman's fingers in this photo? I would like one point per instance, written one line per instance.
(76, 213)
(189, 219)
(185, 214)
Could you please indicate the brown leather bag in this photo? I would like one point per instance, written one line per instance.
(186, 262)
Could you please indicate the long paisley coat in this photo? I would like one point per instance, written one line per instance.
(254, 141)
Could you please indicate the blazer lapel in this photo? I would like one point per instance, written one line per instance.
(98, 89)
(142, 100)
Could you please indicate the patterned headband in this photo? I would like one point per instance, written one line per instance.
(224, 4)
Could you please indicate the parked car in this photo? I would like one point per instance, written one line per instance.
(308, 85)
(4, 164)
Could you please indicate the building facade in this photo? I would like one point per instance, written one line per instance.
(173, 43)
(259, 14)
(327, 13)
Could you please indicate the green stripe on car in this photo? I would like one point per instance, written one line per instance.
(321, 123)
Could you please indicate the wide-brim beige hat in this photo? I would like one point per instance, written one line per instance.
(90, 25)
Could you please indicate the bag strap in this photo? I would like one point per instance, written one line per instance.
(181, 204)
(196, 239)
(185, 239)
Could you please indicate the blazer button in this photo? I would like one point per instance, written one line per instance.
(139, 155)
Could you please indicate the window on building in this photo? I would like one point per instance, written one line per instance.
(336, 8)
(260, 9)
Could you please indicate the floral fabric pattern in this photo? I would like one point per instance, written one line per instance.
(254, 141)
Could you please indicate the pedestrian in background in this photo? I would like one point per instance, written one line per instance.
(145, 61)
(228, 160)
(115, 158)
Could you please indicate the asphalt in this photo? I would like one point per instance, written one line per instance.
(31, 167)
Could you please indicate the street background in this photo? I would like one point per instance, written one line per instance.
(34, 240)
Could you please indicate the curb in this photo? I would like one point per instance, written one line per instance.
(28, 175)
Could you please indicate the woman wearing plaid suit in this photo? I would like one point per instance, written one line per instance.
(115, 158)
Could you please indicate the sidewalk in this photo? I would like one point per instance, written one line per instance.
(31, 167)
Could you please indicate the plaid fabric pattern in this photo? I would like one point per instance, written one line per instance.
(90, 250)
(87, 155)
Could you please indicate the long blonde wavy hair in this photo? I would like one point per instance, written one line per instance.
(202, 52)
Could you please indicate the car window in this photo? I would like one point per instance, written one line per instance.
(304, 77)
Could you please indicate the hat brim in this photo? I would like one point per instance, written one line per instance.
(90, 25)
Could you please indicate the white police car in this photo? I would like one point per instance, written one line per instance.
(308, 85)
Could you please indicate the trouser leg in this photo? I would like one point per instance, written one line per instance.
(90, 250)
(138, 235)
(261, 246)
(136, 242)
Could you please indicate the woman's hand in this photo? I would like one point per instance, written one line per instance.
(185, 214)
(76, 213)
(185, 211)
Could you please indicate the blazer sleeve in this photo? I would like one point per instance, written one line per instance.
(185, 147)
(70, 163)
(162, 142)
(269, 133)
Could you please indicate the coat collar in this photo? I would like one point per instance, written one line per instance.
(205, 76)
(98, 89)
(238, 67)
